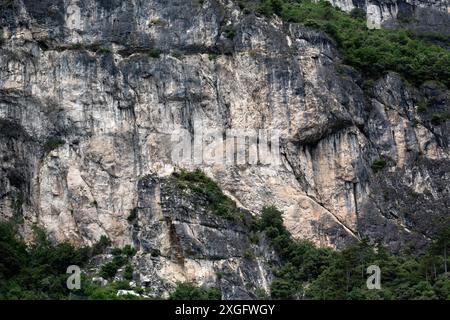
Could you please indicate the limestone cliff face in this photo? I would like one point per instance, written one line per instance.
(81, 71)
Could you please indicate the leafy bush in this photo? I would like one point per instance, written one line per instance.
(301, 261)
(109, 270)
(189, 291)
(133, 215)
(378, 164)
(439, 118)
(128, 251)
(229, 32)
(154, 53)
(128, 273)
(76, 46)
(358, 13)
(53, 143)
(121, 258)
(100, 246)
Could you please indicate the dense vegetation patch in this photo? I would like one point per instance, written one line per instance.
(378, 164)
(53, 143)
(373, 52)
(199, 183)
(38, 271)
(121, 257)
(190, 291)
(133, 215)
(154, 53)
(317, 273)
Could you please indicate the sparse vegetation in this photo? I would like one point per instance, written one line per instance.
(177, 54)
(76, 46)
(128, 273)
(121, 258)
(155, 253)
(154, 53)
(53, 143)
(249, 254)
(378, 165)
(101, 49)
(100, 246)
(157, 22)
(439, 118)
(201, 184)
(213, 56)
(229, 31)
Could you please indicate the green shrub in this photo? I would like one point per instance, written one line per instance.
(128, 251)
(120, 258)
(109, 270)
(154, 53)
(128, 273)
(157, 22)
(358, 13)
(133, 215)
(53, 143)
(249, 254)
(229, 32)
(422, 107)
(378, 165)
(103, 50)
(439, 118)
(38, 270)
(76, 46)
(116, 252)
(100, 246)
(213, 56)
(189, 291)
(155, 253)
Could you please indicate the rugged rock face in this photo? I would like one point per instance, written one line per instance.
(417, 15)
(180, 240)
(355, 163)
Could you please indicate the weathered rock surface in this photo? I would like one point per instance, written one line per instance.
(81, 71)
(180, 240)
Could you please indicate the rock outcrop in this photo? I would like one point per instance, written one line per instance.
(180, 240)
(92, 91)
